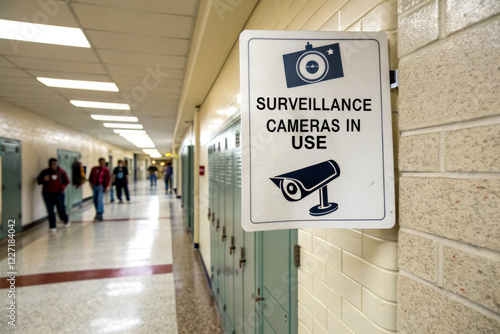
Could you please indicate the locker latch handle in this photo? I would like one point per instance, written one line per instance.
(218, 225)
(223, 233)
(213, 217)
(258, 298)
(209, 214)
(232, 247)
(242, 259)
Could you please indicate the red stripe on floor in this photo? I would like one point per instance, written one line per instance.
(83, 275)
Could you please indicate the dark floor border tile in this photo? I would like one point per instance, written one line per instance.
(83, 275)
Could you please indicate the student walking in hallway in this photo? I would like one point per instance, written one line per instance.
(54, 180)
(99, 181)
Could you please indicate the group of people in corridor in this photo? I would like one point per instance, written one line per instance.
(54, 181)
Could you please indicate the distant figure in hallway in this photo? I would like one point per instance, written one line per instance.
(152, 174)
(54, 180)
(120, 179)
(99, 181)
(168, 177)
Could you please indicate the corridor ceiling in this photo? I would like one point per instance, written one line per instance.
(145, 47)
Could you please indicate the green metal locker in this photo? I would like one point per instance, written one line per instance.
(254, 280)
(10, 150)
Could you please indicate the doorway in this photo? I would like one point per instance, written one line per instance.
(72, 194)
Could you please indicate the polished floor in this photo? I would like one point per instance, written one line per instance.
(135, 272)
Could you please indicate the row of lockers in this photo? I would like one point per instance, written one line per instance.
(253, 277)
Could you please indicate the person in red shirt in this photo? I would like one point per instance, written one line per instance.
(99, 182)
(54, 180)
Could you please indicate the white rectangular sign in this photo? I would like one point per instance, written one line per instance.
(316, 130)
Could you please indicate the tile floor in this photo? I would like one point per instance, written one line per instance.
(135, 272)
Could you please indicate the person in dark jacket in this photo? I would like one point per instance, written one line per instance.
(99, 182)
(54, 180)
(120, 179)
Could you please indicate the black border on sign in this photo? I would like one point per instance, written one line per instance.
(382, 127)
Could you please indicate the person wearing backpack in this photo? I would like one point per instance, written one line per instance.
(54, 180)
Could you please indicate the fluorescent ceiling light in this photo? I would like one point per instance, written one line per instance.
(150, 150)
(114, 118)
(155, 155)
(42, 33)
(138, 132)
(122, 125)
(141, 141)
(79, 84)
(100, 105)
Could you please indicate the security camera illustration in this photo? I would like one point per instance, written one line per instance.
(300, 183)
(313, 65)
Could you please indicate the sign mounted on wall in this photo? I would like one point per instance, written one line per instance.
(316, 130)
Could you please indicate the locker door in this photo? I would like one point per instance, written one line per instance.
(219, 241)
(244, 272)
(10, 150)
(229, 229)
(276, 303)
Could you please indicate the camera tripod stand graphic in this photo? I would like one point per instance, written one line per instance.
(300, 183)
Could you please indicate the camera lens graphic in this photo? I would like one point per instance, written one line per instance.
(291, 190)
(312, 66)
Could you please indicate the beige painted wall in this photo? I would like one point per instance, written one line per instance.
(41, 138)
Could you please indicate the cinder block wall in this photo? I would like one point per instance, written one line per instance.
(449, 157)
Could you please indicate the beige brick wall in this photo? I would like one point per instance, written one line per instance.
(449, 242)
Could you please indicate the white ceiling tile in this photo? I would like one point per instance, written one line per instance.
(13, 72)
(88, 95)
(133, 22)
(31, 89)
(57, 65)
(70, 76)
(10, 80)
(157, 73)
(142, 59)
(47, 51)
(5, 63)
(127, 83)
(179, 7)
(34, 98)
(44, 12)
(129, 42)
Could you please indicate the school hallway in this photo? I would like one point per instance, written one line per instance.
(134, 272)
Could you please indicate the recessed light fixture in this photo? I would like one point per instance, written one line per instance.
(137, 132)
(141, 141)
(122, 125)
(42, 33)
(79, 84)
(114, 118)
(100, 105)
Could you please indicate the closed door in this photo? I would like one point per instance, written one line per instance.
(11, 184)
(73, 194)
